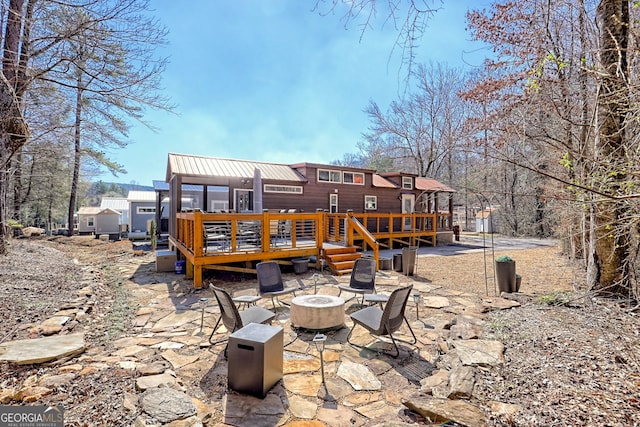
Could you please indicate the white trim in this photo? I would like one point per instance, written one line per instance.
(288, 189)
(407, 183)
(354, 178)
(145, 210)
(333, 203)
(246, 192)
(370, 203)
(332, 174)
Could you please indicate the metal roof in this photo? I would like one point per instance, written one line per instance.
(427, 184)
(202, 166)
(160, 185)
(141, 196)
(95, 210)
(164, 186)
(379, 181)
(116, 203)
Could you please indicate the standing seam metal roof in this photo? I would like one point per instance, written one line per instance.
(190, 165)
(141, 196)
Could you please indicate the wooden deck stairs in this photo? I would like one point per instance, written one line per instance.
(340, 260)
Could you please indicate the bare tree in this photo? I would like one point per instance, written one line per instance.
(98, 58)
(568, 66)
(408, 18)
(13, 128)
(422, 132)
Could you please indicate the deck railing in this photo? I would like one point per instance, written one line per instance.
(204, 234)
(385, 225)
(222, 240)
(356, 228)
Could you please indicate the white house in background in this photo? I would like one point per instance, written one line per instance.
(142, 209)
(96, 220)
(120, 204)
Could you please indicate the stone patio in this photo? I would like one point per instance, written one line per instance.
(181, 378)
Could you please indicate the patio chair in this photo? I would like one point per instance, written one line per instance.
(270, 283)
(385, 322)
(232, 318)
(363, 278)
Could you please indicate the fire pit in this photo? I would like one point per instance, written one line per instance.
(317, 312)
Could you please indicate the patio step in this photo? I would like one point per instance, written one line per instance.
(340, 260)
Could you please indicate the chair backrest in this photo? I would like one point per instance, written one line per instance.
(228, 310)
(269, 277)
(363, 274)
(273, 227)
(393, 313)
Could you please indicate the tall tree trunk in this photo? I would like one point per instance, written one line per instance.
(77, 155)
(17, 184)
(19, 82)
(583, 225)
(612, 235)
(13, 128)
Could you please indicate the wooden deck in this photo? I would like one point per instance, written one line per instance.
(238, 241)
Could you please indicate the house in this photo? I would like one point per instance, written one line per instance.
(215, 184)
(229, 214)
(96, 220)
(120, 204)
(142, 210)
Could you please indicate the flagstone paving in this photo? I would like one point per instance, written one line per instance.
(181, 378)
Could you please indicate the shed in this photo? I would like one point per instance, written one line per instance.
(120, 204)
(95, 220)
(485, 221)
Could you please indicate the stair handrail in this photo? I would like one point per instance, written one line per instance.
(354, 225)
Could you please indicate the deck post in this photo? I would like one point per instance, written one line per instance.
(198, 234)
(197, 275)
(266, 231)
(320, 230)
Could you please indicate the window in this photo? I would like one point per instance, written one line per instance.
(91, 221)
(353, 178)
(145, 210)
(291, 189)
(407, 183)
(325, 175)
(370, 203)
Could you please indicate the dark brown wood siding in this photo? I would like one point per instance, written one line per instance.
(316, 195)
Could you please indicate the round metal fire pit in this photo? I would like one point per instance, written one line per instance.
(317, 312)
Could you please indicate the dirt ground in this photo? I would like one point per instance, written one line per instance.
(571, 359)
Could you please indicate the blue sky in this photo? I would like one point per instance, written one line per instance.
(275, 81)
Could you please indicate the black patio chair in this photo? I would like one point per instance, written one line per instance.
(270, 283)
(363, 278)
(385, 322)
(232, 318)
